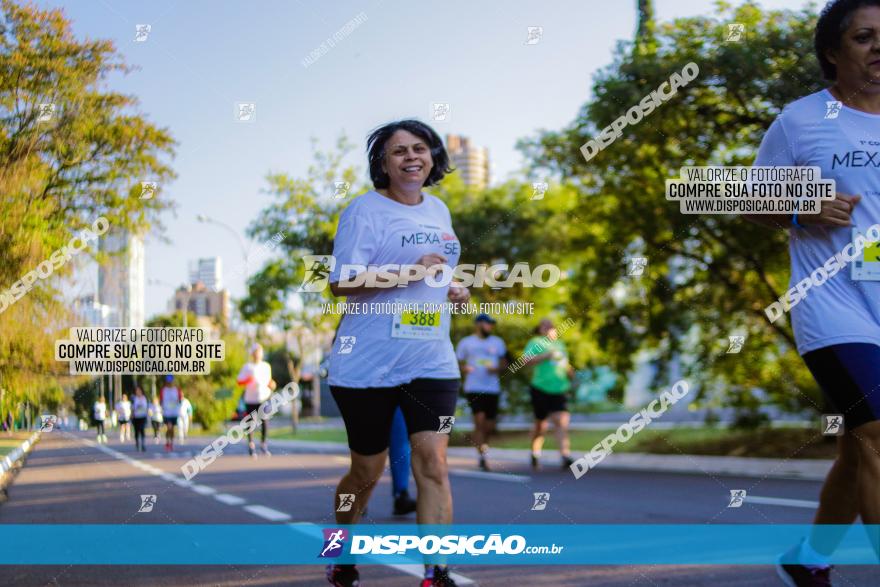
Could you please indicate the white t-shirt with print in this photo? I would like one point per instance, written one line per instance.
(375, 230)
(481, 354)
(847, 148)
(100, 411)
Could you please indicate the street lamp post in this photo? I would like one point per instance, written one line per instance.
(241, 243)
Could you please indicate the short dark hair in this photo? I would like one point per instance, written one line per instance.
(376, 150)
(834, 19)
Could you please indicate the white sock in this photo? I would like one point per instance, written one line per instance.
(817, 560)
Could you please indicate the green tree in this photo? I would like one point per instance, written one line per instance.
(85, 159)
(707, 276)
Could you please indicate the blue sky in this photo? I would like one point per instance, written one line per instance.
(202, 57)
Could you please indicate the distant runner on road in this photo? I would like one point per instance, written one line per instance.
(99, 412)
(139, 412)
(550, 382)
(482, 357)
(170, 397)
(123, 414)
(185, 418)
(155, 412)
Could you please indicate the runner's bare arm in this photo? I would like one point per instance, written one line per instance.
(837, 212)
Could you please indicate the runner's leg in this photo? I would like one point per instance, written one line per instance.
(363, 474)
(839, 500)
(432, 477)
(479, 432)
(538, 431)
(368, 414)
(425, 404)
(560, 428)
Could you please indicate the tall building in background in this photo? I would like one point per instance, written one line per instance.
(92, 313)
(472, 162)
(209, 271)
(121, 278)
(205, 303)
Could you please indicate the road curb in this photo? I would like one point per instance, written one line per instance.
(10, 463)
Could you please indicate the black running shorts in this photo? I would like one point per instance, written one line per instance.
(368, 412)
(544, 404)
(849, 375)
(487, 403)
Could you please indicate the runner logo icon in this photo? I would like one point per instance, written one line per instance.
(637, 266)
(340, 189)
(147, 503)
(317, 276)
(446, 423)
(346, 345)
(832, 424)
(541, 500)
(346, 500)
(832, 109)
(48, 423)
(737, 497)
(538, 190)
(736, 343)
(334, 541)
(735, 32)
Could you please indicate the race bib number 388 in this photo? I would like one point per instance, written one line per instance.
(417, 325)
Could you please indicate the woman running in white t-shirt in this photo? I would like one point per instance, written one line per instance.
(398, 353)
(837, 324)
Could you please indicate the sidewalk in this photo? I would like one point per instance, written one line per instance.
(804, 469)
(9, 461)
(578, 422)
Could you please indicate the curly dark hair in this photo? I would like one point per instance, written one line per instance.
(833, 21)
(376, 150)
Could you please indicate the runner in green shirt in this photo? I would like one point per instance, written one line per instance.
(550, 382)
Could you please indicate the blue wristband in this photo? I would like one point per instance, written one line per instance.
(795, 222)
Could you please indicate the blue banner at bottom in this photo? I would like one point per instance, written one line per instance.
(460, 544)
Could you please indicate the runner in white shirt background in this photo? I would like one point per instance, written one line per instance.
(170, 398)
(123, 416)
(185, 418)
(256, 378)
(482, 356)
(155, 413)
(99, 412)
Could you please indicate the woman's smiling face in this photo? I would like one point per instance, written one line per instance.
(857, 59)
(407, 159)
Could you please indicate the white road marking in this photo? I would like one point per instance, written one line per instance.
(494, 476)
(795, 503)
(267, 513)
(416, 570)
(229, 499)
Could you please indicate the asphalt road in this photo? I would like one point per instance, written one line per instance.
(70, 480)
